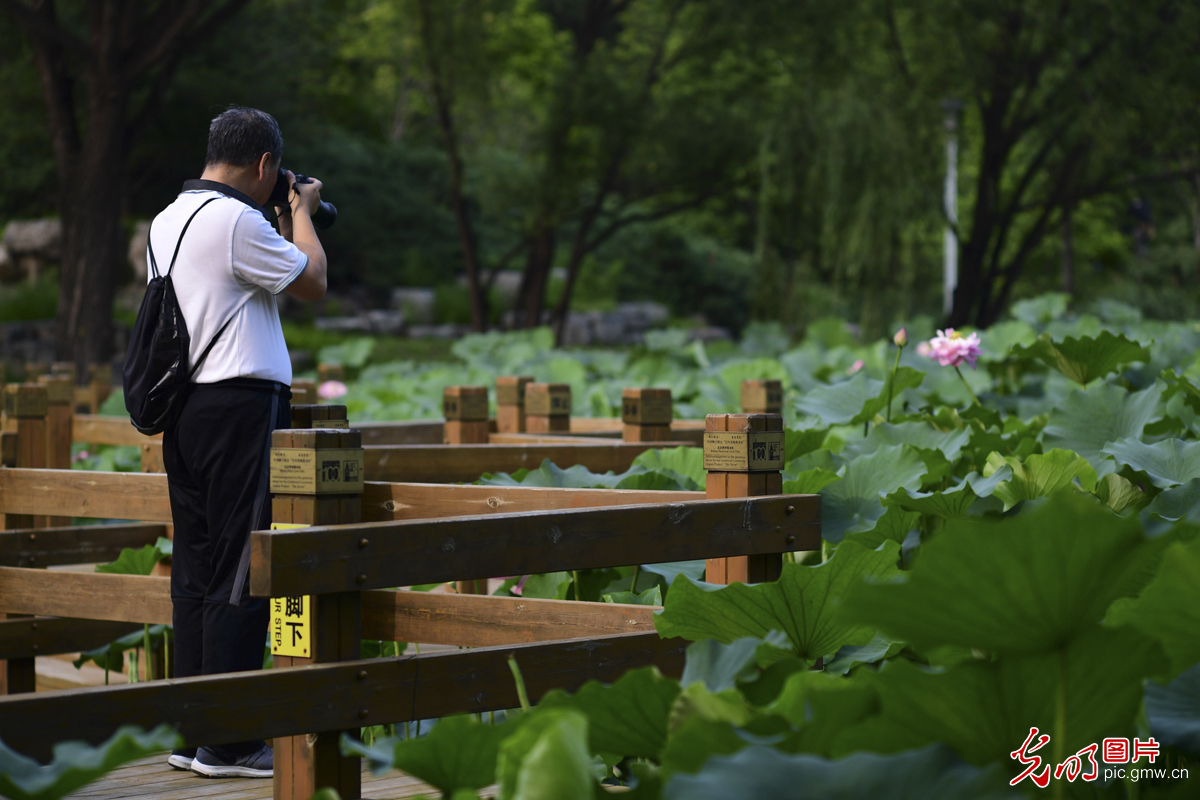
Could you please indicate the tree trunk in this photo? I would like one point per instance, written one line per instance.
(91, 201)
(537, 277)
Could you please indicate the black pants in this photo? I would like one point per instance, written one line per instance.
(217, 459)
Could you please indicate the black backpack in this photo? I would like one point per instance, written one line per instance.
(156, 364)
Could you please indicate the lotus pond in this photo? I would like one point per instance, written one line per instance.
(1006, 548)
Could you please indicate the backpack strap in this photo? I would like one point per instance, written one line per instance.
(196, 367)
(150, 244)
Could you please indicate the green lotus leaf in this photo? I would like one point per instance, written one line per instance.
(803, 604)
(1174, 711)
(1040, 475)
(854, 503)
(874, 651)
(981, 707)
(1119, 494)
(650, 597)
(800, 442)
(920, 435)
(1178, 503)
(1169, 608)
(761, 771)
(1087, 421)
(458, 753)
(626, 718)
(857, 400)
(1167, 463)
(685, 461)
(77, 764)
(1041, 309)
(954, 502)
(1084, 359)
(1021, 584)
(133, 561)
(811, 481)
(894, 526)
(546, 758)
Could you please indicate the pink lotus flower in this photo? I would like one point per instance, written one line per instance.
(331, 390)
(951, 349)
(855, 367)
(923, 348)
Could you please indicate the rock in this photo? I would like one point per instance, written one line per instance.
(449, 331)
(578, 330)
(390, 323)
(137, 250)
(417, 304)
(609, 328)
(643, 315)
(507, 287)
(710, 333)
(39, 238)
(345, 324)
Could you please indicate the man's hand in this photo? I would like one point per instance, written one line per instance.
(304, 200)
(304, 196)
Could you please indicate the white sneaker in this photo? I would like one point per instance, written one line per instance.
(182, 759)
(259, 764)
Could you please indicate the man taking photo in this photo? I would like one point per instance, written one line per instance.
(230, 263)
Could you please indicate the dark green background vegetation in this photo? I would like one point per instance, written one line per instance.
(780, 161)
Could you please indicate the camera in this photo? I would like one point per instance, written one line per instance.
(324, 216)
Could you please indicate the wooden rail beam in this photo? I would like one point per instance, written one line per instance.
(322, 560)
(125, 495)
(391, 501)
(86, 595)
(474, 620)
(28, 638)
(83, 544)
(81, 493)
(444, 464)
(95, 429)
(404, 616)
(345, 695)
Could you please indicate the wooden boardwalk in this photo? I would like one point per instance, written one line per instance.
(151, 779)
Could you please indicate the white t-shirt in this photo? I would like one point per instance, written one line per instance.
(231, 265)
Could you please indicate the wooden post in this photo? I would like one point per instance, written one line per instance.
(510, 403)
(466, 411)
(743, 454)
(762, 397)
(99, 386)
(330, 372)
(34, 370)
(646, 414)
(27, 404)
(317, 488)
(60, 394)
(315, 416)
(65, 368)
(304, 392)
(547, 407)
(152, 458)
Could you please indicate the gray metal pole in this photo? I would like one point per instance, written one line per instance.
(950, 204)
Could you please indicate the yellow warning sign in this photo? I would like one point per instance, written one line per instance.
(291, 618)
